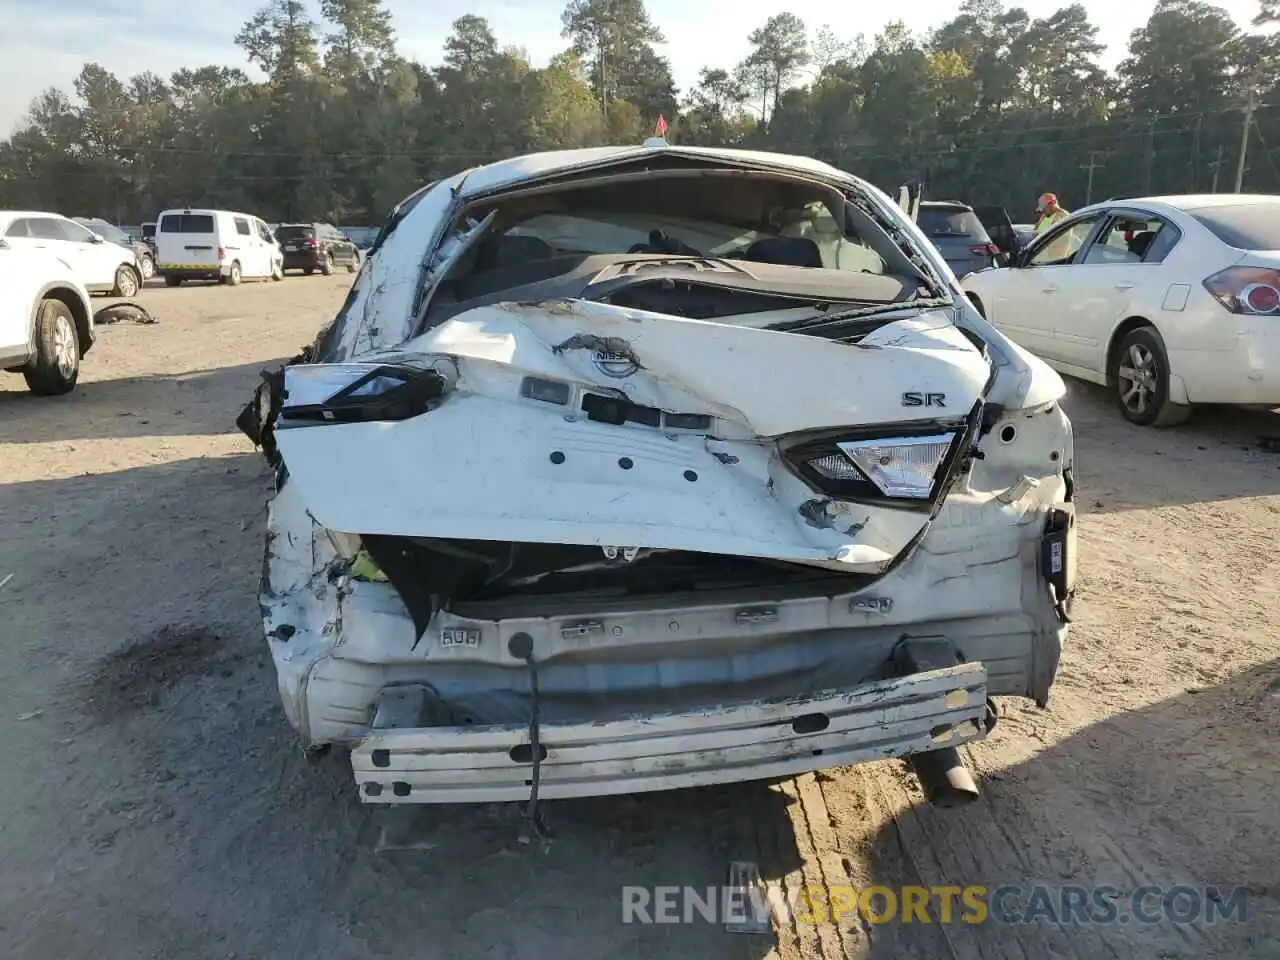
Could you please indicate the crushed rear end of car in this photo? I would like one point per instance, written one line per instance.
(573, 546)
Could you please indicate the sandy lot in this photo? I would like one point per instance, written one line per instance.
(154, 802)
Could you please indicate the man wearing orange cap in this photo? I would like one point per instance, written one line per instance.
(1049, 212)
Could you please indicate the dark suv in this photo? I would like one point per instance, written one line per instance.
(959, 235)
(316, 246)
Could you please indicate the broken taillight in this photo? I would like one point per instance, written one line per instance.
(360, 392)
(1252, 291)
(894, 467)
(909, 466)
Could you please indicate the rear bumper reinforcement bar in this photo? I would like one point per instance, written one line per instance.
(401, 762)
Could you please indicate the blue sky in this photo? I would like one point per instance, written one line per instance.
(45, 42)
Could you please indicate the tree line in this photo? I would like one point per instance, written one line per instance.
(992, 107)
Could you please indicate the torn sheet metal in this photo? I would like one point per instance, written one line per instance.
(775, 383)
(379, 312)
(491, 464)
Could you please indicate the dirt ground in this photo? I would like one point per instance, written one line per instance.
(154, 803)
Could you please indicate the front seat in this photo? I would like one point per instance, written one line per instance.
(494, 253)
(1141, 242)
(785, 251)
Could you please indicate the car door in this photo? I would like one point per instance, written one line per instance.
(18, 235)
(1022, 302)
(73, 244)
(97, 260)
(270, 247)
(334, 243)
(241, 244)
(1122, 256)
(342, 248)
(999, 228)
(15, 308)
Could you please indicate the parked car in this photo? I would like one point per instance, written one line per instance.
(216, 245)
(1169, 301)
(118, 236)
(316, 246)
(362, 237)
(46, 322)
(102, 267)
(149, 237)
(584, 490)
(958, 234)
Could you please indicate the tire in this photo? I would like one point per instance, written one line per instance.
(1140, 377)
(173, 281)
(148, 268)
(327, 267)
(233, 274)
(128, 282)
(277, 272)
(54, 368)
(354, 263)
(308, 270)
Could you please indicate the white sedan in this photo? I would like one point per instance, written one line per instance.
(1170, 301)
(46, 324)
(102, 266)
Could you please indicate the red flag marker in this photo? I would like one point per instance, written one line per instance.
(660, 128)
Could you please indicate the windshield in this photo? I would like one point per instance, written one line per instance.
(1252, 226)
(105, 230)
(951, 222)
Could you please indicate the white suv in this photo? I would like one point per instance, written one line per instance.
(46, 324)
(102, 267)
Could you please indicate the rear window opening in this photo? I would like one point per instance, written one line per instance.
(186, 223)
(753, 219)
(701, 244)
(294, 232)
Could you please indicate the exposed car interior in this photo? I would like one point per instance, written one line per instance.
(709, 244)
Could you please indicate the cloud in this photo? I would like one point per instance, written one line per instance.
(46, 42)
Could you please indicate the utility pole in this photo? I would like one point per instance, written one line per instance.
(1151, 155)
(1249, 109)
(1092, 165)
(1217, 166)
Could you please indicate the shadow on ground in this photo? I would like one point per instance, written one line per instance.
(149, 745)
(1178, 793)
(183, 404)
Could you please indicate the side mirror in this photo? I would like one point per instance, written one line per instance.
(4, 244)
(97, 238)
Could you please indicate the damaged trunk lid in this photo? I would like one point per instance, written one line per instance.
(581, 423)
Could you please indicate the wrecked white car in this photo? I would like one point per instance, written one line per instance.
(647, 467)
